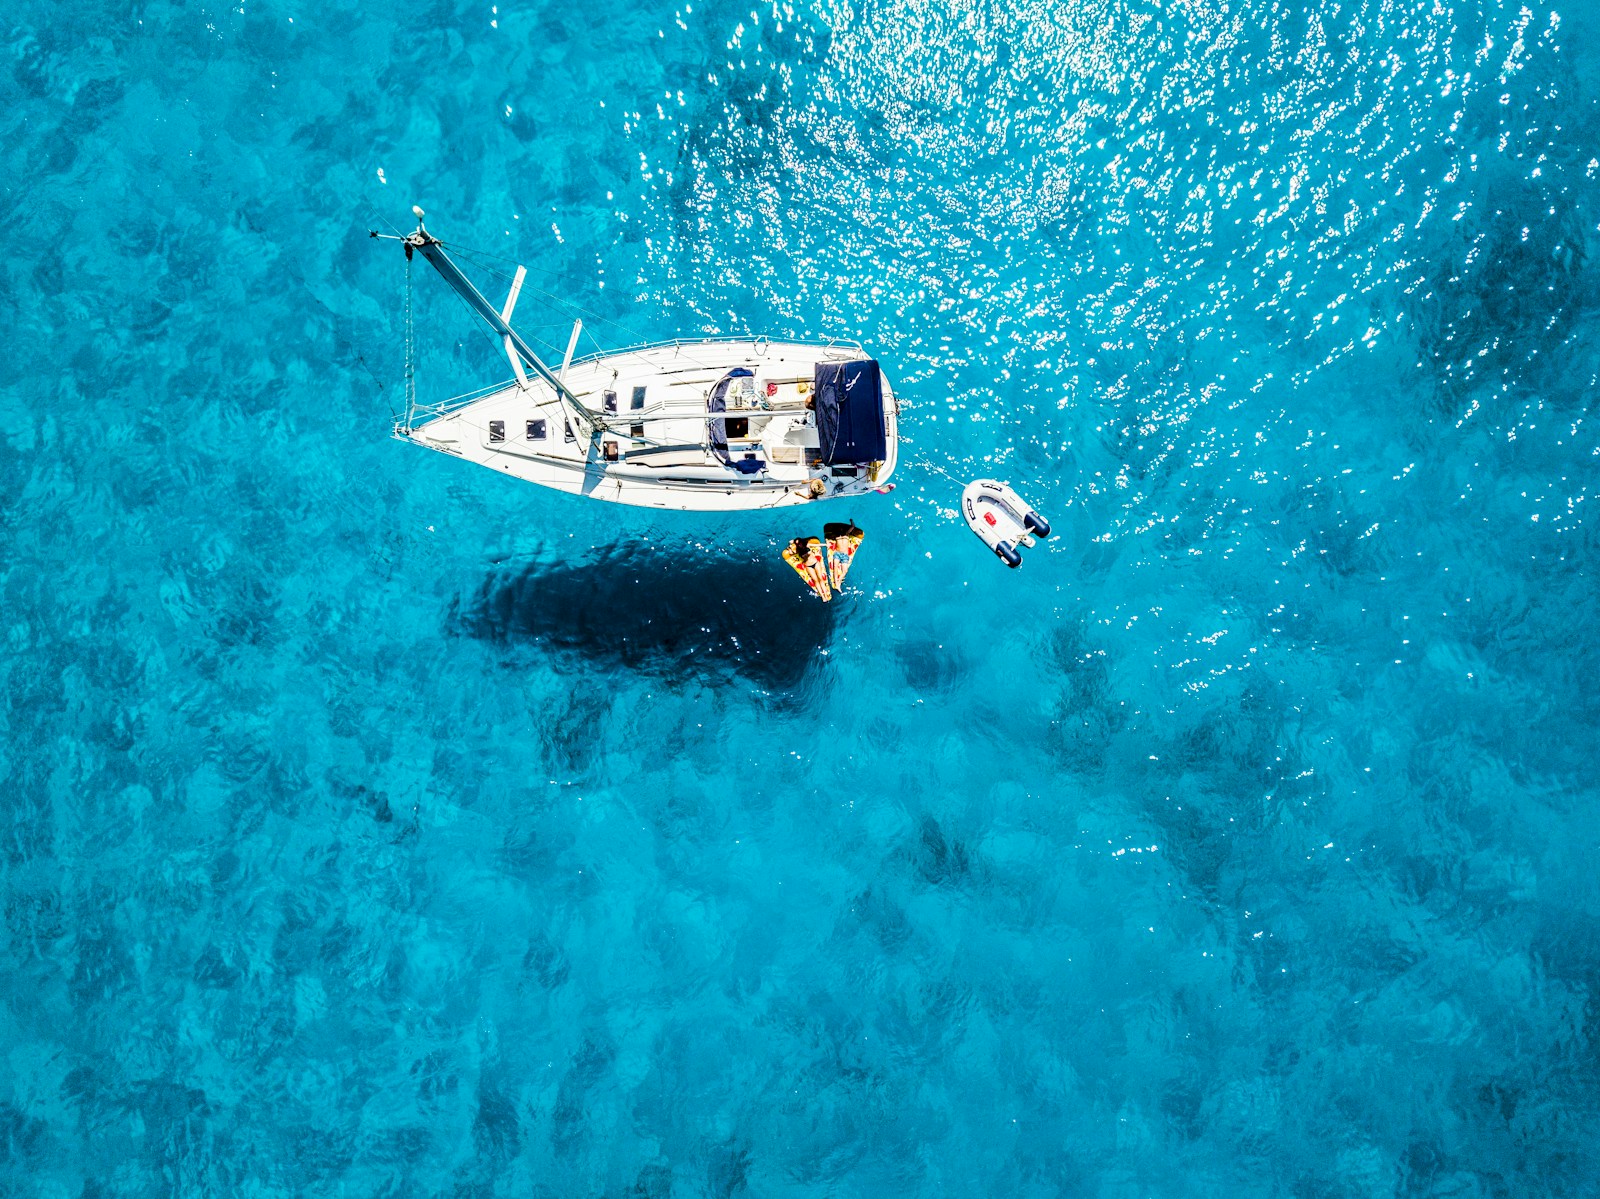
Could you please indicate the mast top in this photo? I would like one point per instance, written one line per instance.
(421, 237)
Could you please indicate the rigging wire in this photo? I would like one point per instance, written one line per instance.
(411, 362)
(475, 257)
(481, 253)
(373, 210)
(600, 421)
(472, 254)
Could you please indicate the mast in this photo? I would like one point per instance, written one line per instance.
(517, 350)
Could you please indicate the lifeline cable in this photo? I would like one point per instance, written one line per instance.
(411, 371)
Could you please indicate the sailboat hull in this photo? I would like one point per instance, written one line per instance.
(676, 435)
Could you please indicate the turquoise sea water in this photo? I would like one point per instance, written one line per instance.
(374, 826)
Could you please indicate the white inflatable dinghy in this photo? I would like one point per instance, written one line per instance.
(1002, 519)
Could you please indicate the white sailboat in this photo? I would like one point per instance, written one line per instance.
(718, 424)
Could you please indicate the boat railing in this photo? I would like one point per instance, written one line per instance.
(722, 339)
(420, 414)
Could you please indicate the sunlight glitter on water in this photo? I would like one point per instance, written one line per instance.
(375, 825)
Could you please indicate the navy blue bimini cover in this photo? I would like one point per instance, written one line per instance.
(849, 403)
(717, 426)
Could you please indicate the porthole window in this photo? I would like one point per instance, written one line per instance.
(611, 401)
(638, 398)
(536, 430)
(497, 430)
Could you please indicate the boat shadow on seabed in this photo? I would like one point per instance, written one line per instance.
(681, 615)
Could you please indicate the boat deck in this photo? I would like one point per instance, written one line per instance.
(655, 449)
